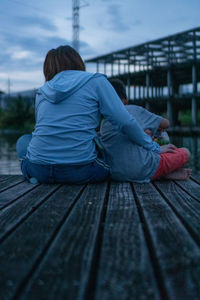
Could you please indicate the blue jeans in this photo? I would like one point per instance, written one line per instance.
(95, 171)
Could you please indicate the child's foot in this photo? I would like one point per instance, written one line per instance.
(180, 174)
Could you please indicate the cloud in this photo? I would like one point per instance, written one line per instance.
(20, 54)
(32, 50)
(180, 19)
(36, 21)
(86, 50)
(116, 21)
(21, 80)
(137, 22)
(34, 41)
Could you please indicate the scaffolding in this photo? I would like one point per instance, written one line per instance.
(151, 68)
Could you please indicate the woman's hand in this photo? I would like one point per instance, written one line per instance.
(168, 148)
(149, 132)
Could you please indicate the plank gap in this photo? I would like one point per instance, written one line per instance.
(152, 250)
(90, 289)
(10, 186)
(4, 177)
(13, 228)
(186, 191)
(195, 180)
(14, 200)
(189, 229)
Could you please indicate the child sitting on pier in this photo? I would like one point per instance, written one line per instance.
(131, 162)
(152, 124)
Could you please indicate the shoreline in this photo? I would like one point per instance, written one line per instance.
(184, 130)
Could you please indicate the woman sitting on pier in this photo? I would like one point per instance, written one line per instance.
(131, 162)
(68, 109)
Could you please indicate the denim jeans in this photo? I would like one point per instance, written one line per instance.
(95, 171)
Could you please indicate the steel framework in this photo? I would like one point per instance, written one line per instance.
(75, 24)
(151, 68)
(182, 47)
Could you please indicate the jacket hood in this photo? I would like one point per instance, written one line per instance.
(64, 84)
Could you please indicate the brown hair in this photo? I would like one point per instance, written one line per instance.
(61, 59)
(120, 89)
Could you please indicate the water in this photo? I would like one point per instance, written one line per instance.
(193, 144)
(9, 163)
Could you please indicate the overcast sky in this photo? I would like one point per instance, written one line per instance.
(28, 29)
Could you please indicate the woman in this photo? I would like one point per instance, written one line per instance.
(68, 110)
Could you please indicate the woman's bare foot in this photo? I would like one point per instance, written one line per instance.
(180, 174)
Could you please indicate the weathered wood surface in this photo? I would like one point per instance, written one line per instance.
(109, 241)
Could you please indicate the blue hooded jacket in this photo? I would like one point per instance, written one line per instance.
(68, 110)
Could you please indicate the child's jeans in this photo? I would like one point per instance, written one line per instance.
(95, 171)
(170, 162)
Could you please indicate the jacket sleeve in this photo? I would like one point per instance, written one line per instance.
(114, 111)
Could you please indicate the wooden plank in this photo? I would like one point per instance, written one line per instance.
(22, 250)
(65, 269)
(196, 178)
(11, 181)
(175, 251)
(124, 269)
(4, 177)
(190, 187)
(13, 193)
(12, 216)
(186, 207)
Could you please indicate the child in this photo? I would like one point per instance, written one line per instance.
(152, 124)
(131, 162)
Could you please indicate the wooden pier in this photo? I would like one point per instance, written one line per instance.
(109, 241)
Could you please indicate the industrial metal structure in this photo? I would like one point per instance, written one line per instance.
(157, 72)
(76, 5)
(75, 24)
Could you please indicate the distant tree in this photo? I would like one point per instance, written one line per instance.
(1, 93)
(1, 112)
(18, 114)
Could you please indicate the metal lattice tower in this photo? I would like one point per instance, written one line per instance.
(75, 18)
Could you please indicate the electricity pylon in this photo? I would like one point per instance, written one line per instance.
(75, 22)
